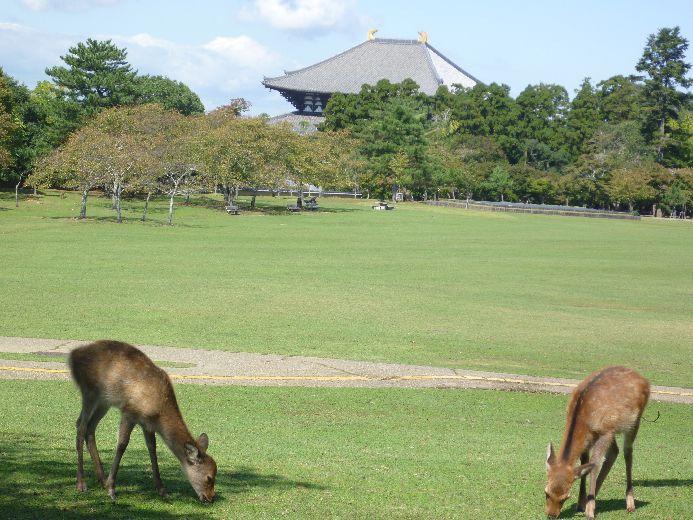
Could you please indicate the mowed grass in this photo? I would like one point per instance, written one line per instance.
(332, 453)
(525, 294)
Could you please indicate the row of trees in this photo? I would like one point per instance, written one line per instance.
(148, 149)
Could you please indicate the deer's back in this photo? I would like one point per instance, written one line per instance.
(609, 400)
(120, 375)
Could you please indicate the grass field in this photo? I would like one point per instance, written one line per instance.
(518, 293)
(333, 453)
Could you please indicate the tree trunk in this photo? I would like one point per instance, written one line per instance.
(170, 209)
(118, 193)
(252, 201)
(146, 206)
(16, 192)
(83, 208)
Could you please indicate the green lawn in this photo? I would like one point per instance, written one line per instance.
(520, 293)
(333, 453)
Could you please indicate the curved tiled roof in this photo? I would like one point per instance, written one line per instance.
(371, 61)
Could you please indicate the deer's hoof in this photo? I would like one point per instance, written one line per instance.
(112, 494)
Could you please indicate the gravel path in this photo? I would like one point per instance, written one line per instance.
(240, 368)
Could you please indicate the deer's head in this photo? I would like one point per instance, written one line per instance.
(200, 468)
(561, 477)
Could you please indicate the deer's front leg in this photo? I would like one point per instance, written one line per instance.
(598, 452)
(582, 497)
(150, 439)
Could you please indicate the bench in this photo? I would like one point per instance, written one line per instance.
(382, 206)
(311, 205)
(232, 210)
(293, 208)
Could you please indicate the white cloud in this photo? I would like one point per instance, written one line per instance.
(305, 15)
(242, 50)
(223, 68)
(66, 5)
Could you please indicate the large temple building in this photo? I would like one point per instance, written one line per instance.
(309, 89)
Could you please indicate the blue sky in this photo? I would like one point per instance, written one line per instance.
(223, 48)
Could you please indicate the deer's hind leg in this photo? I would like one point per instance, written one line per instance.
(88, 408)
(628, 439)
(92, 423)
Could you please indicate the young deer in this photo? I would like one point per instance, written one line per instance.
(111, 373)
(608, 402)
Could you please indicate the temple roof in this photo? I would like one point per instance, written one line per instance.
(371, 61)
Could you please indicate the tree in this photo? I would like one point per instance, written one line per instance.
(679, 146)
(170, 94)
(397, 129)
(97, 75)
(582, 119)
(77, 164)
(236, 151)
(663, 61)
(620, 99)
(500, 183)
(631, 186)
(541, 125)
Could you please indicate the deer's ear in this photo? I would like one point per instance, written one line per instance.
(550, 456)
(583, 470)
(191, 453)
(203, 442)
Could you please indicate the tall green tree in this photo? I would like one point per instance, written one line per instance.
(97, 75)
(541, 125)
(663, 61)
(582, 119)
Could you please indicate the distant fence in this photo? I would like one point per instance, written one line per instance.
(540, 209)
(309, 193)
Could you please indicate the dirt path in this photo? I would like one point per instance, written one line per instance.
(240, 368)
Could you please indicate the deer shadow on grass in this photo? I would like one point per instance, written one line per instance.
(245, 478)
(38, 480)
(603, 506)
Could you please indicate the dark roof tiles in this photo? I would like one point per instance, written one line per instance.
(371, 61)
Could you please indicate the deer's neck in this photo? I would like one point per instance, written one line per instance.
(576, 437)
(175, 433)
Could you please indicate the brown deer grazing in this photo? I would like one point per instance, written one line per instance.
(608, 402)
(111, 373)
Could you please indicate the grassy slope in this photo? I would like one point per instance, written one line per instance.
(526, 294)
(333, 453)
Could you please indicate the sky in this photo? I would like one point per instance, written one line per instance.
(222, 49)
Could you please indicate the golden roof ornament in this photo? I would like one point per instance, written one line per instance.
(371, 34)
(423, 36)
